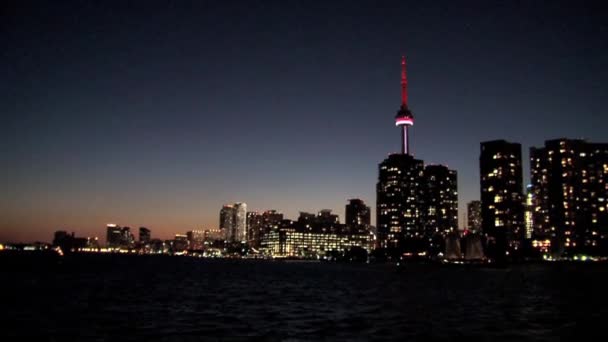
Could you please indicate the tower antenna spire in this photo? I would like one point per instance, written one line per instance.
(403, 83)
(404, 118)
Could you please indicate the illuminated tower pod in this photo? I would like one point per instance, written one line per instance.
(404, 117)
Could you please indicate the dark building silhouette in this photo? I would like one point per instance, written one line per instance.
(474, 216)
(502, 207)
(271, 220)
(70, 243)
(358, 216)
(180, 243)
(307, 221)
(60, 237)
(114, 235)
(227, 221)
(255, 222)
(328, 222)
(322, 222)
(144, 235)
(570, 194)
(119, 237)
(400, 201)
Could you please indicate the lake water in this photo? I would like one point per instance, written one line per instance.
(106, 298)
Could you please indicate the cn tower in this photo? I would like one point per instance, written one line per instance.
(404, 117)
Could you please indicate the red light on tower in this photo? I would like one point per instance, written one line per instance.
(404, 117)
(403, 83)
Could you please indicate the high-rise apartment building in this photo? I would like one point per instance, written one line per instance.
(502, 202)
(570, 194)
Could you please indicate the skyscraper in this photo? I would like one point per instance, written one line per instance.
(400, 201)
(240, 222)
(357, 216)
(502, 210)
(570, 193)
(227, 214)
(474, 216)
(441, 200)
(233, 221)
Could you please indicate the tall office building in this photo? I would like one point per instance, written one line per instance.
(441, 200)
(570, 193)
(474, 216)
(233, 221)
(358, 216)
(144, 235)
(502, 207)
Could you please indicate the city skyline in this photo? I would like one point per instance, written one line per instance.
(158, 131)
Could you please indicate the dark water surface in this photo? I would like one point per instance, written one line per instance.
(109, 298)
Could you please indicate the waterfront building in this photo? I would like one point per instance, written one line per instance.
(357, 216)
(502, 207)
(570, 195)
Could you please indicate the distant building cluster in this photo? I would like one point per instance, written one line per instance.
(321, 235)
(264, 234)
(564, 211)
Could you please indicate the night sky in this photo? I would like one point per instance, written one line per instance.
(157, 113)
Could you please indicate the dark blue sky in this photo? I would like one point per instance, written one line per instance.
(158, 112)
